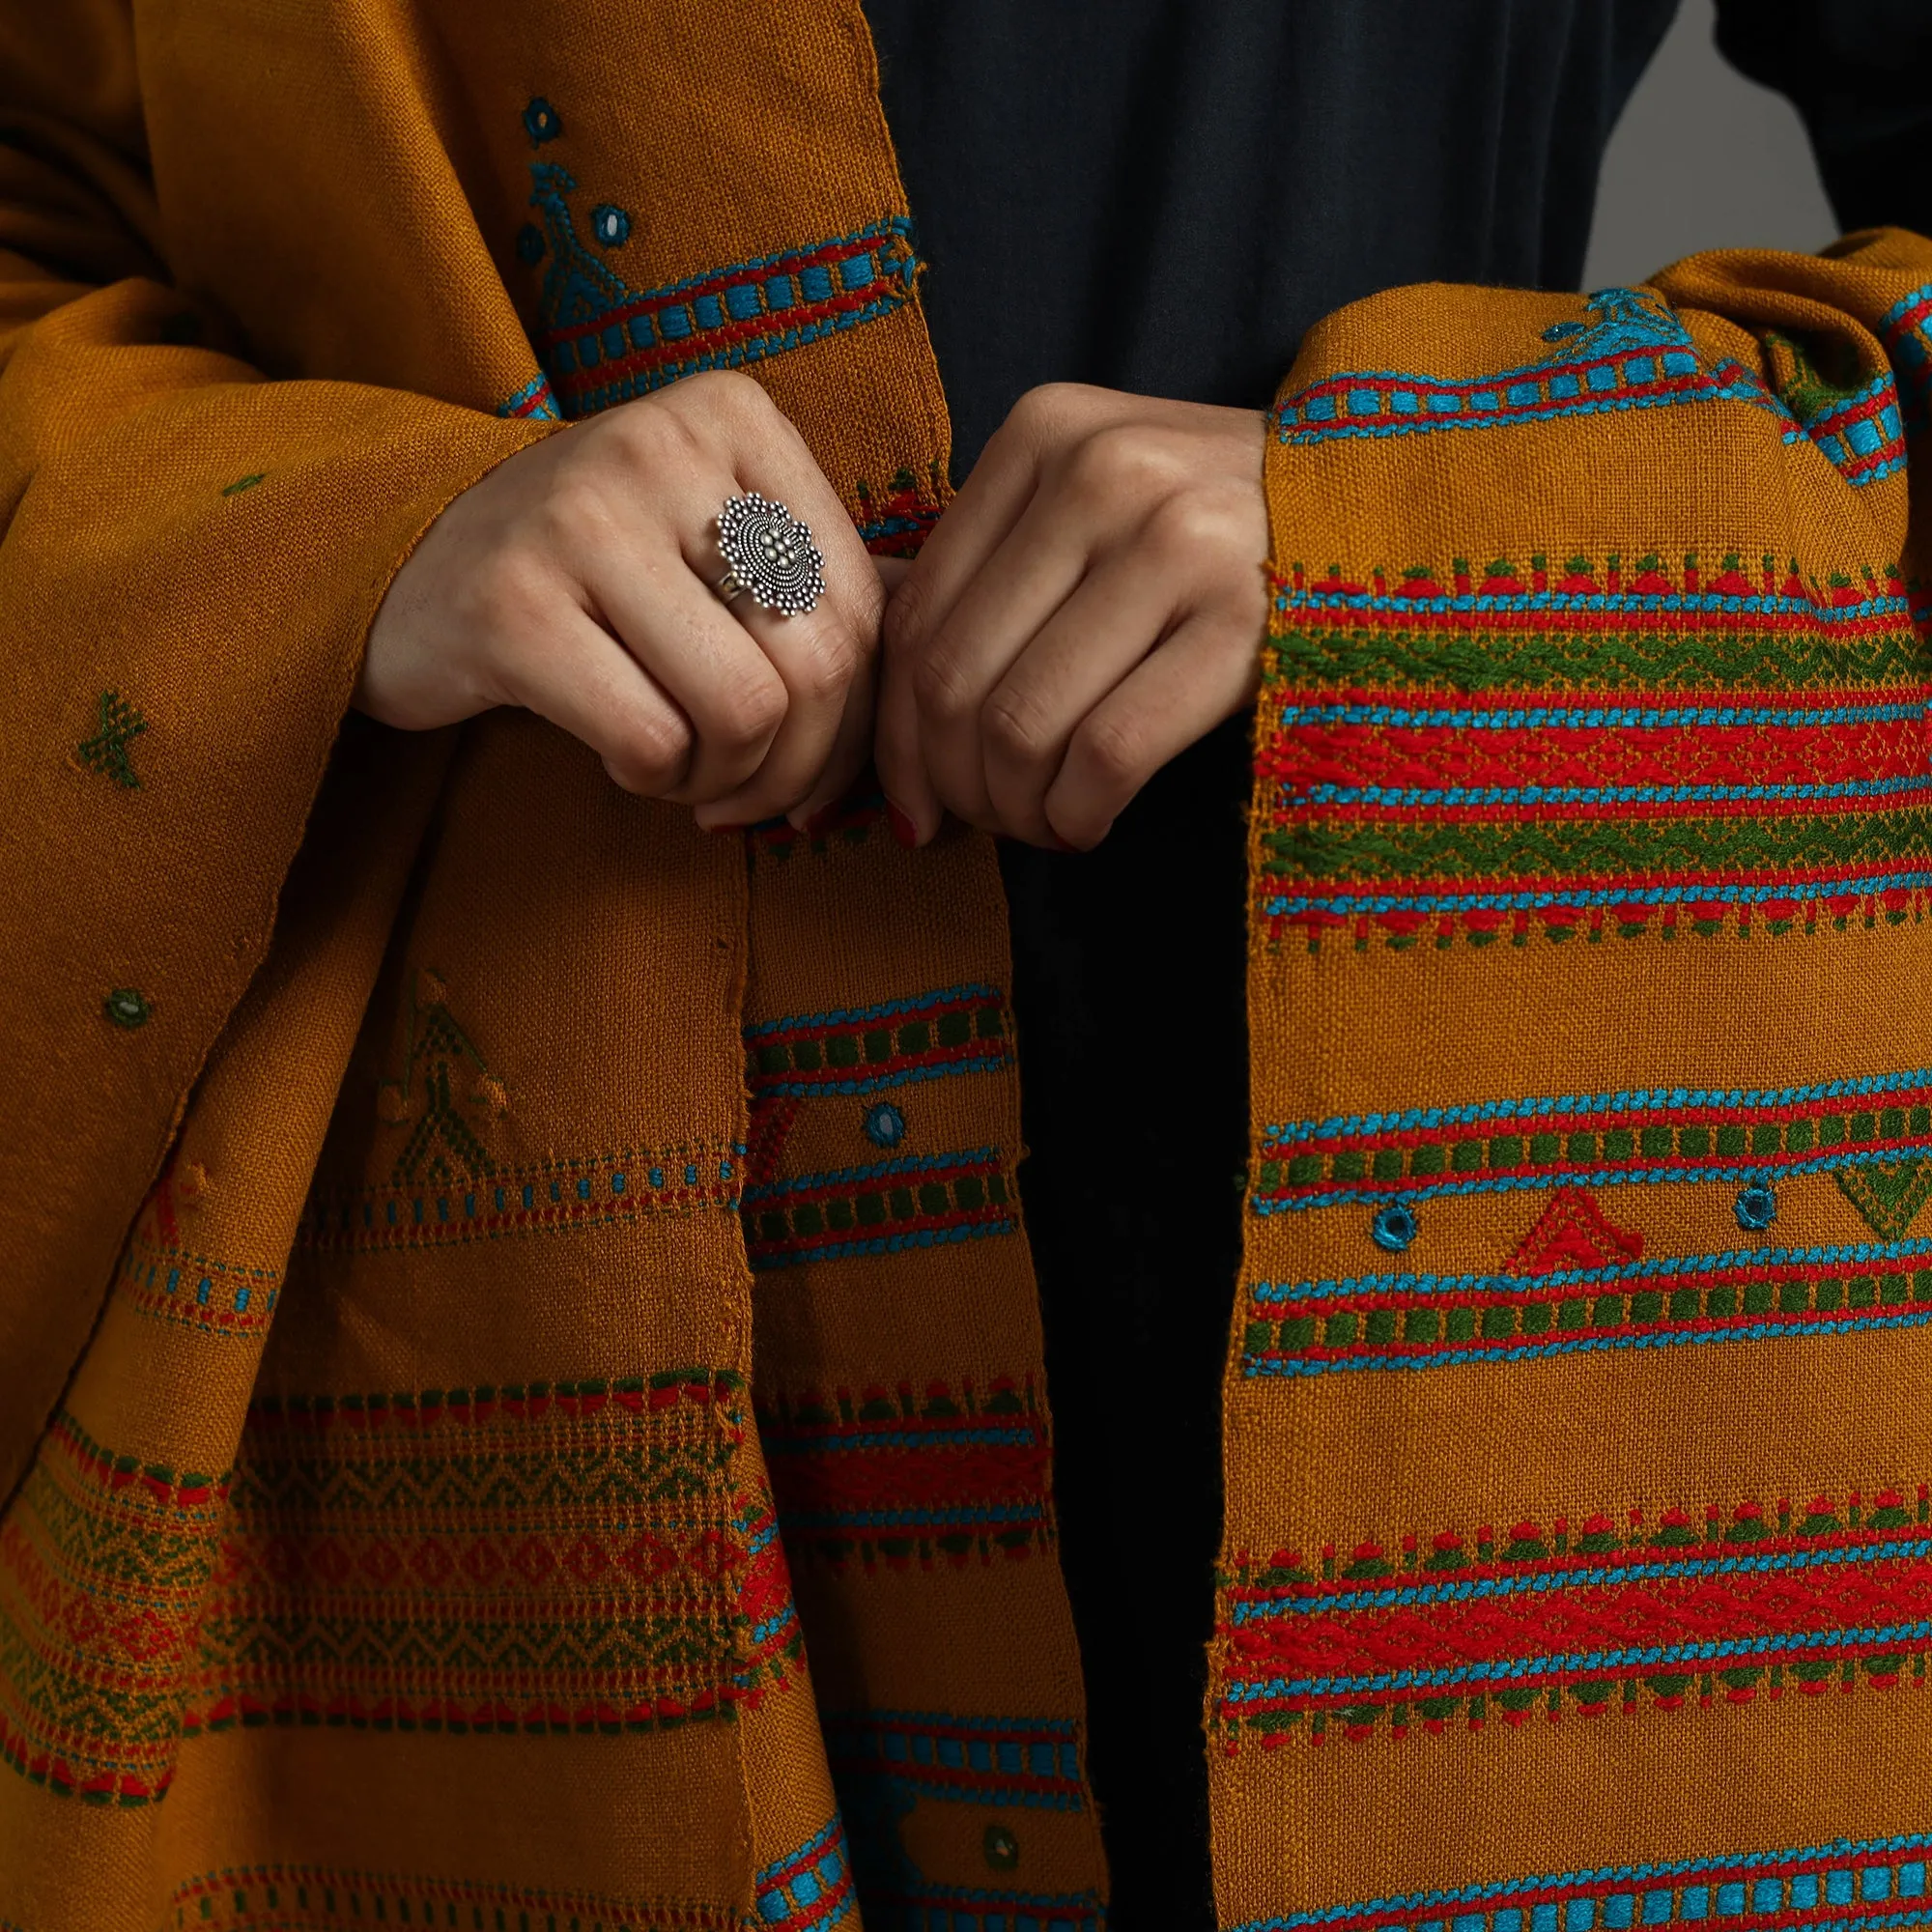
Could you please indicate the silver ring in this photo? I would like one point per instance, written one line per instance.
(769, 556)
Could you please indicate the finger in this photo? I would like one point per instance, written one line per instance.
(587, 684)
(823, 656)
(1204, 673)
(976, 522)
(912, 805)
(1019, 589)
(699, 655)
(1084, 651)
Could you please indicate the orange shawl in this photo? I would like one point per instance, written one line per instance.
(497, 1280)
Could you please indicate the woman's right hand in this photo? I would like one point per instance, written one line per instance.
(575, 580)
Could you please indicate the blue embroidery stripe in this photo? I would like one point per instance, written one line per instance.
(1331, 1195)
(841, 1016)
(1435, 797)
(1587, 1573)
(984, 1761)
(1865, 1855)
(1547, 1665)
(1412, 410)
(884, 1169)
(1457, 1353)
(1625, 1100)
(604, 342)
(1317, 601)
(1475, 715)
(1689, 891)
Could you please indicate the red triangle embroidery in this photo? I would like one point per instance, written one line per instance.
(1572, 1233)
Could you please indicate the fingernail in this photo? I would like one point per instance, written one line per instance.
(903, 829)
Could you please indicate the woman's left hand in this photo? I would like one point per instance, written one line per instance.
(1091, 604)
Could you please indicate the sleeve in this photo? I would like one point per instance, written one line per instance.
(191, 555)
(1859, 71)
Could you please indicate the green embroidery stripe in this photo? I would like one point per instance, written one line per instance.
(1562, 658)
(960, 1028)
(1688, 848)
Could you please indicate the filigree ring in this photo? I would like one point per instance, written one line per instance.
(769, 556)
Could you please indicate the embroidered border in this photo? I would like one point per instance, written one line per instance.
(1860, 1884)
(104, 1561)
(602, 342)
(586, 1191)
(862, 1049)
(810, 1887)
(916, 1200)
(1033, 1762)
(1906, 330)
(1548, 752)
(1428, 1321)
(1749, 1601)
(1595, 1139)
(544, 1558)
(1632, 354)
(894, 1477)
(1862, 434)
(167, 1283)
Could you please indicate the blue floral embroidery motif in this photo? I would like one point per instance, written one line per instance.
(885, 1125)
(541, 122)
(602, 342)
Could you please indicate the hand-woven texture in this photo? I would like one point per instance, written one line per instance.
(404, 1141)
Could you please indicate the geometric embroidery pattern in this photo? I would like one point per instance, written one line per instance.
(1576, 1619)
(1418, 1320)
(809, 1888)
(1592, 751)
(540, 1559)
(913, 1200)
(105, 1564)
(106, 752)
(1031, 1762)
(1869, 1883)
(898, 1478)
(602, 343)
(443, 1073)
(1632, 354)
(559, 1194)
(534, 1559)
(1888, 1194)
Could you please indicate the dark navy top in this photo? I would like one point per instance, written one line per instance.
(1161, 195)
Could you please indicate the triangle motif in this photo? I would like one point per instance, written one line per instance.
(1888, 1193)
(1572, 1233)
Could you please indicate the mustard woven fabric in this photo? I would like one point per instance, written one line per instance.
(519, 1383)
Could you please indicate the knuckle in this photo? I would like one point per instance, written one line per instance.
(1185, 526)
(1114, 749)
(1118, 462)
(905, 619)
(750, 707)
(940, 689)
(828, 663)
(1015, 727)
(653, 756)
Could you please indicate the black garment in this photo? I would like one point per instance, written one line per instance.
(1160, 196)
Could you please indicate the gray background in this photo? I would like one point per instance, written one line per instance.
(1702, 159)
